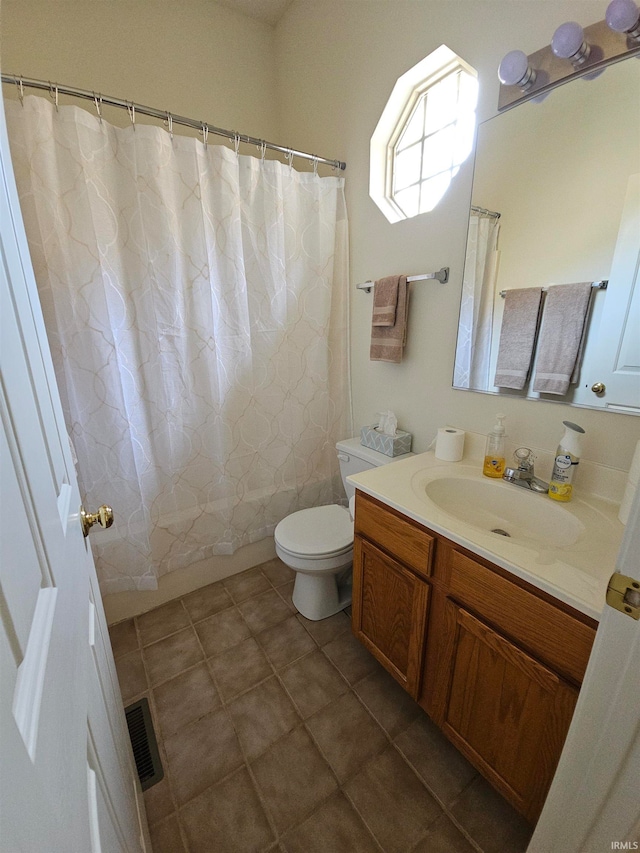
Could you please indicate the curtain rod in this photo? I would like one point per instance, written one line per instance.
(54, 89)
(484, 211)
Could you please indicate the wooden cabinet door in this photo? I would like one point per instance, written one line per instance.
(389, 612)
(505, 711)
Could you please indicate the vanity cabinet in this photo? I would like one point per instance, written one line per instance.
(391, 593)
(496, 663)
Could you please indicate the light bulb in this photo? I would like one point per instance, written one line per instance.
(623, 16)
(514, 70)
(568, 43)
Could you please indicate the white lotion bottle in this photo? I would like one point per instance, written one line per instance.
(566, 462)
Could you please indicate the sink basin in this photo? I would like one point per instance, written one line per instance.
(505, 510)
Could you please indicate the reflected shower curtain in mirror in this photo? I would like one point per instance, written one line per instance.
(473, 351)
(196, 306)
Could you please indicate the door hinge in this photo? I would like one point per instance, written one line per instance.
(623, 593)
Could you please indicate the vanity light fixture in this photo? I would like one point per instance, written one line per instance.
(623, 16)
(568, 42)
(515, 70)
(589, 51)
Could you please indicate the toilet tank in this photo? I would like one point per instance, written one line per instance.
(355, 458)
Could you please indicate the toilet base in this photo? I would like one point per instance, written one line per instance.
(317, 597)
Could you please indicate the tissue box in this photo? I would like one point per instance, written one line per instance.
(390, 445)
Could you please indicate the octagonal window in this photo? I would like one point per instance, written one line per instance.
(426, 131)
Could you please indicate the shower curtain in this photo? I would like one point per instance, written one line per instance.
(196, 307)
(473, 350)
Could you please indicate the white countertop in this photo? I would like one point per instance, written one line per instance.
(576, 573)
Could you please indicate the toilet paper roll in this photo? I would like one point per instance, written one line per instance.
(450, 444)
(627, 500)
(352, 508)
(634, 472)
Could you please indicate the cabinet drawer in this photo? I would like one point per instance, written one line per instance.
(554, 636)
(399, 536)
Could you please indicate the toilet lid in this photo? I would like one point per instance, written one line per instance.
(316, 532)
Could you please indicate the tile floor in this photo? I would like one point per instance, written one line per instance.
(280, 734)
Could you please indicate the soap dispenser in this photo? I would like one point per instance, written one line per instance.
(566, 462)
(494, 456)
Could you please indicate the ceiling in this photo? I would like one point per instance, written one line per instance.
(269, 11)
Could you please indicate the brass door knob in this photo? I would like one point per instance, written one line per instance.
(103, 517)
(599, 388)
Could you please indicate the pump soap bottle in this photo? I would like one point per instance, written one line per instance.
(494, 457)
(566, 462)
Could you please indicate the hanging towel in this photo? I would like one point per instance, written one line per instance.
(561, 337)
(387, 342)
(385, 301)
(517, 336)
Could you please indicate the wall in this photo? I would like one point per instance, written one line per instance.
(337, 64)
(195, 59)
(329, 68)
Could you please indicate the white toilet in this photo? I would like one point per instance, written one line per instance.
(318, 542)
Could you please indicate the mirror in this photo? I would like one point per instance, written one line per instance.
(564, 175)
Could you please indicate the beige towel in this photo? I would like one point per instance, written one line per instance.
(517, 336)
(387, 342)
(561, 336)
(385, 301)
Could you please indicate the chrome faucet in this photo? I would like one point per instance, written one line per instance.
(523, 475)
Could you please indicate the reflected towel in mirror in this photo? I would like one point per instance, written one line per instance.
(564, 325)
(517, 336)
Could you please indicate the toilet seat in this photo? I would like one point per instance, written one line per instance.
(318, 533)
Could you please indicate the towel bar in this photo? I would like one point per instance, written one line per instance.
(599, 285)
(442, 276)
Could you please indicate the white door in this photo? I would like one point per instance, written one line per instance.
(594, 801)
(616, 360)
(67, 780)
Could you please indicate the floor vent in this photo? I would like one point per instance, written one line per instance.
(144, 743)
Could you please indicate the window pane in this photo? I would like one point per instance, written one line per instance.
(432, 143)
(406, 167)
(442, 103)
(408, 201)
(433, 190)
(438, 152)
(414, 131)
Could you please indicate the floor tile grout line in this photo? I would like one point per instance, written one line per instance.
(246, 764)
(447, 809)
(301, 723)
(161, 739)
(224, 703)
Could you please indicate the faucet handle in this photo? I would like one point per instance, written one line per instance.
(525, 459)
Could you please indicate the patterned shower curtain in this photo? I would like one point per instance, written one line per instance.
(196, 306)
(473, 350)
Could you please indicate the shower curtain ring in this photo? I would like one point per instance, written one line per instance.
(289, 157)
(263, 150)
(20, 88)
(169, 123)
(53, 94)
(205, 133)
(97, 99)
(131, 109)
(236, 142)
(315, 165)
